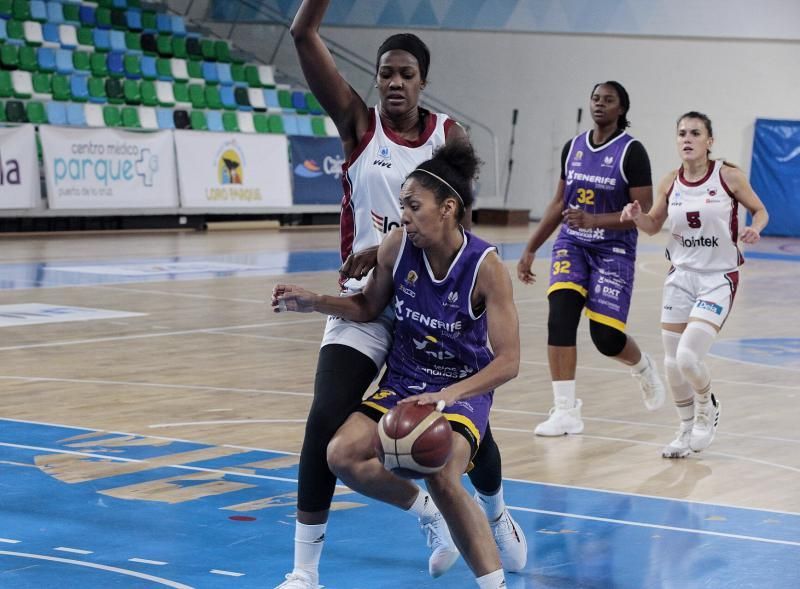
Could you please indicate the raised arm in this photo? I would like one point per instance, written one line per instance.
(363, 306)
(650, 221)
(736, 181)
(337, 97)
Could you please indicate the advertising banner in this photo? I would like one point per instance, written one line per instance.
(19, 168)
(225, 170)
(108, 168)
(317, 170)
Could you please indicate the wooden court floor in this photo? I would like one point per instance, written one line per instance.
(207, 361)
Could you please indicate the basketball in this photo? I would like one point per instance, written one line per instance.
(414, 441)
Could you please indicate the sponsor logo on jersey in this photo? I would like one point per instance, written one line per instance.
(384, 157)
(561, 253)
(708, 306)
(697, 241)
(383, 224)
(405, 290)
(608, 161)
(403, 313)
(451, 300)
(712, 200)
(572, 176)
(712, 191)
(618, 250)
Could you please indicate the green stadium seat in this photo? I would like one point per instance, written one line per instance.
(261, 123)
(164, 69)
(251, 76)
(27, 59)
(149, 20)
(98, 65)
(318, 127)
(6, 8)
(111, 116)
(237, 73)
(85, 37)
(114, 91)
(285, 99)
(82, 61)
(213, 99)
(72, 13)
(179, 47)
(133, 41)
(198, 120)
(9, 56)
(132, 65)
(222, 51)
(97, 90)
(164, 45)
(181, 92)
(6, 90)
(230, 122)
(61, 88)
(130, 89)
(21, 10)
(36, 113)
(2, 113)
(42, 84)
(197, 96)
(102, 17)
(15, 112)
(195, 69)
(276, 124)
(314, 107)
(15, 30)
(208, 50)
(130, 117)
(147, 89)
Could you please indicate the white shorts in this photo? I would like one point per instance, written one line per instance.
(372, 339)
(698, 295)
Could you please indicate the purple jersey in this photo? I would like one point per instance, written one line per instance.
(439, 338)
(595, 182)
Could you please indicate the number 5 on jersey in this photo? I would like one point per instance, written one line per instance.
(693, 219)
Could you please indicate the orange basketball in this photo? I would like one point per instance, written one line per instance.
(414, 441)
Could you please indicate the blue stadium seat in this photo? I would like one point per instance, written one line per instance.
(117, 41)
(178, 26)
(116, 63)
(64, 61)
(224, 73)
(55, 13)
(304, 126)
(228, 97)
(163, 23)
(46, 56)
(134, 19)
(148, 65)
(271, 98)
(50, 32)
(76, 116)
(3, 32)
(56, 113)
(38, 10)
(210, 73)
(290, 125)
(79, 86)
(102, 39)
(299, 100)
(165, 118)
(214, 120)
(86, 15)
(120, 3)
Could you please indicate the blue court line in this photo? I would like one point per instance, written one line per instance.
(577, 537)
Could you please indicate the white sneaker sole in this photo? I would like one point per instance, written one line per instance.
(713, 432)
(561, 432)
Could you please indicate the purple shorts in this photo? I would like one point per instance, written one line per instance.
(468, 417)
(603, 277)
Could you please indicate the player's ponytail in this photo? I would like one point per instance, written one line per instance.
(449, 173)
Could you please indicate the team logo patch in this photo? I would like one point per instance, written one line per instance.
(709, 306)
(578, 155)
(411, 277)
(383, 151)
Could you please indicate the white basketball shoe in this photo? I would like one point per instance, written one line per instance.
(706, 420)
(653, 390)
(679, 447)
(563, 419)
(444, 553)
(511, 542)
(298, 580)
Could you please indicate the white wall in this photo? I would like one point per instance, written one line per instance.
(548, 77)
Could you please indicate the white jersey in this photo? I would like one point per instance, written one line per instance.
(372, 178)
(703, 219)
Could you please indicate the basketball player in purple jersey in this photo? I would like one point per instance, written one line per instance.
(382, 144)
(452, 296)
(699, 202)
(594, 255)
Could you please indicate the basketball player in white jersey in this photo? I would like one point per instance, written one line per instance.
(700, 203)
(382, 145)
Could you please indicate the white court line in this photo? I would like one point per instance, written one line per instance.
(146, 561)
(313, 342)
(226, 573)
(657, 526)
(9, 541)
(102, 567)
(73, 550)
(263, 301)
(149, 335)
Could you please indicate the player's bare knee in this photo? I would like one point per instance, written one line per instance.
(340, 456)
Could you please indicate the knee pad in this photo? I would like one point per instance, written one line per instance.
(695, 343)
(673, 372)
(563, 317)
(692, 367)
(608, 340)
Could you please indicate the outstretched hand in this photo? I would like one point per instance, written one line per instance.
(357, 265)
(290, 297)
(631, 211)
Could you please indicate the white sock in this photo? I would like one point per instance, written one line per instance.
(308, 542)
(495, 580)
(564, 390)
(641, 365)
(493, 505)
(423, 506)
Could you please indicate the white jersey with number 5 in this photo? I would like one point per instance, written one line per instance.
(372, 179)
(703, 220)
